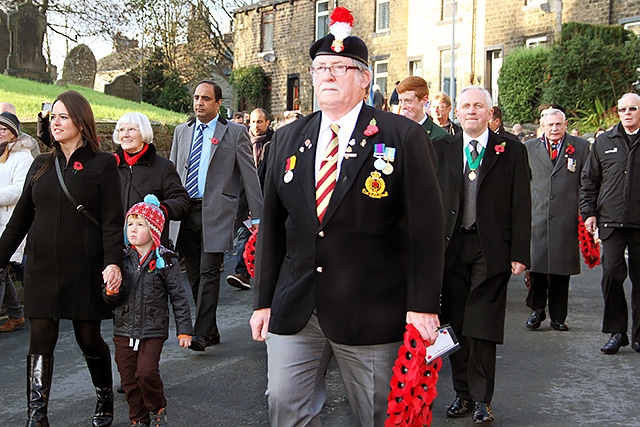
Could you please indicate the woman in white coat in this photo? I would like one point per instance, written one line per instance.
(15, 161)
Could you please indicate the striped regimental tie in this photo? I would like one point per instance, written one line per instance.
(328, 173)
(194, 163)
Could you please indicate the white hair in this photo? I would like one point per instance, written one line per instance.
(484, 91)
(137, 119)
(550, 111)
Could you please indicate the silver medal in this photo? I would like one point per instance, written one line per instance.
(288, 176)
(380, 164)
(472, 175)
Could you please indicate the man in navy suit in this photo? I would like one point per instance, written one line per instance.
(341, 275)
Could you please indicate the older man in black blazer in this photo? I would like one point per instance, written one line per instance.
(343, 278)
(486, 198)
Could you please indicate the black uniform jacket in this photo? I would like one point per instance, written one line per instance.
(379, 250)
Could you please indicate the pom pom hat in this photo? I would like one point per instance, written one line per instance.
(339, 41)
(150, 210)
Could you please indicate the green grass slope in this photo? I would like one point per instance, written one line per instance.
(28, 96)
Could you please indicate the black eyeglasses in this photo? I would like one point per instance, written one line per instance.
(624, 109)
(334, 70)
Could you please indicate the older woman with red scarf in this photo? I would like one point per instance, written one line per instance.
(143, 171)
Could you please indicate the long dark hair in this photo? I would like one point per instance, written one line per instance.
(81, 115)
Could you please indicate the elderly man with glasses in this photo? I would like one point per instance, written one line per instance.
(351, 244)
(610, 203)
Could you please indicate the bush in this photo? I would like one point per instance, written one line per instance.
(249, 85)
(522, 76)
(593, 62)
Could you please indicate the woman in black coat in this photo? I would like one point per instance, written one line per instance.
(70, 255)
(143, 172)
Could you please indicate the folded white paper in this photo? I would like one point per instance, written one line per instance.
(445, 344)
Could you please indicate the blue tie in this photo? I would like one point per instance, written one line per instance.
(194, 163)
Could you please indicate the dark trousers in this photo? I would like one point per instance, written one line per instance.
(140, 376)
(473, 367)
(236, 255)
(203, 272)
(614, 273)
(556, 287)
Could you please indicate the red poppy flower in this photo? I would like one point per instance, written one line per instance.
(152, 266)
(214, 141)
(499, 148)
(77, 166)
(570, 149)
(370, 130)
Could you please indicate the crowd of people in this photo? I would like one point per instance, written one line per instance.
(458, 208)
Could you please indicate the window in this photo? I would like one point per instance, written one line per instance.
(492, 70)
(293, 92)
(415, 68)
(633, 26)
(382, 15)
(267, 31)
(445, 73)
(380, 75)
(535, 41)
(322, 18)
(447, 10)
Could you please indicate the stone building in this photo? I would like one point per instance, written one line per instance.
(407, 37)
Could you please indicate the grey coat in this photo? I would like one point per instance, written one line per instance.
(555, 198)
(231, 167)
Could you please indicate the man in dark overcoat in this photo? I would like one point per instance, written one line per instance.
(351, 244)
(556, 160)
(487, 203)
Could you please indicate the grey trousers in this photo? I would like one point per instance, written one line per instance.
(296, 377)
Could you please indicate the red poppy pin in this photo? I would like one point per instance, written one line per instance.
(500, 147)
(371, 129)
(152, 266)
(77, 166)
(214, 141)
(570, 149)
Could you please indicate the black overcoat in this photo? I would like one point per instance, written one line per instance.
(66, 252)
(372, 259)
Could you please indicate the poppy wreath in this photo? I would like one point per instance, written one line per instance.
(413, 384)
(589, 247)
(249, 254)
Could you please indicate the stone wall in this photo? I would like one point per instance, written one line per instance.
(162, 136)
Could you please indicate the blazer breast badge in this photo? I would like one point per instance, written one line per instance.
(374, 186)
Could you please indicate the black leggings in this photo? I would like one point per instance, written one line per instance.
(44, 336)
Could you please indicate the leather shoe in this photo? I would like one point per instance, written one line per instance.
(200, 343)
(460, 408)
(536, 318)
(482, 413)
(636, 346)
(616, 341)
(559, 326)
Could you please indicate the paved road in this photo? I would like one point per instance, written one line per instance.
(545, 378)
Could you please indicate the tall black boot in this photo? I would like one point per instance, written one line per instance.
(39, 371)
(100, 369)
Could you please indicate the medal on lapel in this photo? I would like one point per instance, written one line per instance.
(378, 153)
(389, 157)
(288, 173)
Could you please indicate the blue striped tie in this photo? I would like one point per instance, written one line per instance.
(194, 163)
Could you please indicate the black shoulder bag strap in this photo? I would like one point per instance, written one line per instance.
(80, 208)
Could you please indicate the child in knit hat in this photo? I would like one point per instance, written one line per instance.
(150, 275)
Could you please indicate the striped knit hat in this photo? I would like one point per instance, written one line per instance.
(150, 210)
(11, 122)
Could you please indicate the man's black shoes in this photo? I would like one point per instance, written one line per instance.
(200, 343)
(460, 408)
(536, 318)
(482, 413)
(616, 341)
(559, 326)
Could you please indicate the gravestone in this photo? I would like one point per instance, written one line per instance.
(4, 41)
(124, 87)
(27, 27)
(80, 67)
